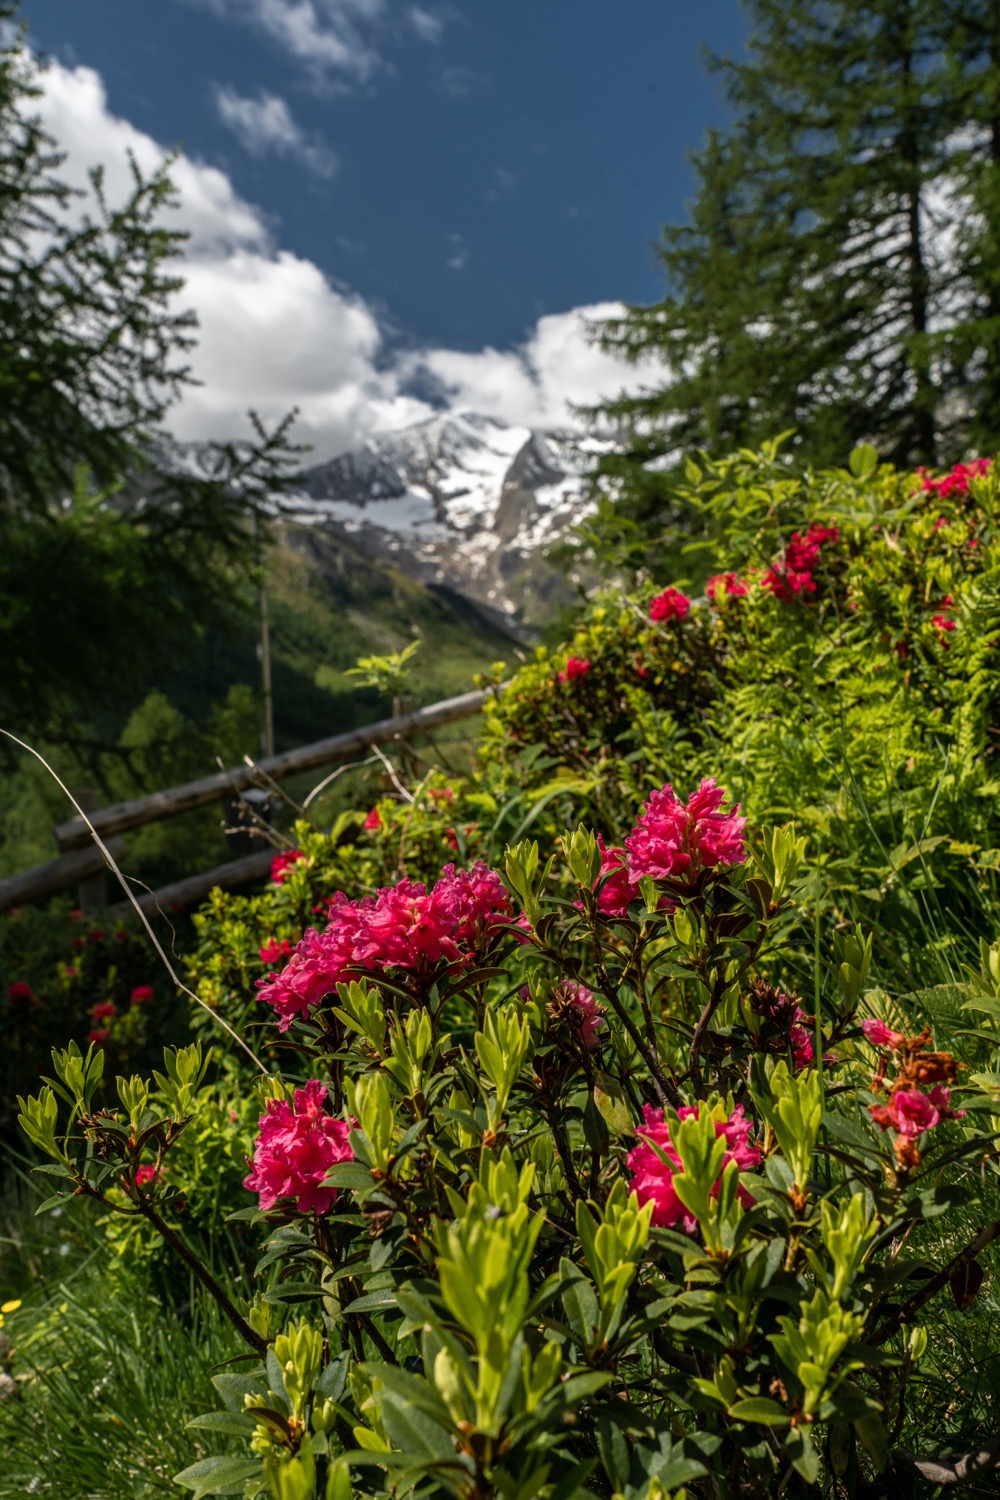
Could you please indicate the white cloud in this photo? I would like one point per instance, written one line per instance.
(265, 124)
(426, 24)
(328, 36)
(555, 368)
(274, 333)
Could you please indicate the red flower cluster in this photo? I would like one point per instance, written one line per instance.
(943, 622)
(21, 993)
(795, 574)
(725, 586)
(146, 1174)
(957, 482)
(405, 926)
(99, 1035)
(911, 1109)
(281, 863)
(141, 995)
(670, 605)
(672, 840)
(654, 1163)
(296, 1146)
(104, 1010)
(373, 820)
(576, 666)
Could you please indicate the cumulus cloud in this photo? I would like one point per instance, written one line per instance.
(274, 333)
(537, 383)
(265, 124)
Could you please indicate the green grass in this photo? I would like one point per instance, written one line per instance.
(108, 1371)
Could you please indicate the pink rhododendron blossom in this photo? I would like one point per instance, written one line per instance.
(146, 1174)
(619, 888)
(21, 993)
(671, 604)
(675, 840)
(282, 862)
(274, 950)
(725, 586)
(296, 1146)
(373, 820)
(879, 1034)
(576, 666)
(104, 1010)
(911, 1111)
(141, 994)
(99, 1035)
(405, 926)
(653, 1176)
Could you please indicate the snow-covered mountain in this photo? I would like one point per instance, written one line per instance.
(460, 500)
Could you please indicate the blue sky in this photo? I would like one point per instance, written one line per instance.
(458, 170)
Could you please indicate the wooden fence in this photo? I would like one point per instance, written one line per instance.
(73, 836)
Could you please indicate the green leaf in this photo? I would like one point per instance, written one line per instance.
(863, 461)
(759, 1409)
(233, 1423)
(218, 1476)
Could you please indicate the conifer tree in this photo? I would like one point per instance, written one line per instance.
(111, 561)
(838, 275)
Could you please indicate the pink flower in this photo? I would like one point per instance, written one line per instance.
(879, 1034)
(725, 586)
(653, 1176)
(104, 1010)
(403, 926)
(670, 605)
(296, 1146)
(576, 666)
(272, 951)
(911, 1111)
(21, 993)
(318, 964)
(615, 893)
(281, 863)
(141, 995)
(943, 623)
(100, 1036)
(96, 935)
(673, 840)
(146, 1174)
(373, 820)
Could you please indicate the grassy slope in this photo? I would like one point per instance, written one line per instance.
(328, 606)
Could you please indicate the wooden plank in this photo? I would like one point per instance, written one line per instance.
(180, 799)
(194, 889)
(56, 874)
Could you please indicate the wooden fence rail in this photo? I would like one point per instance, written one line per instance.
(110, 822)
(56, 874)
(181, 799)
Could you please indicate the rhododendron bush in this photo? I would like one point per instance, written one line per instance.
(575, 1177)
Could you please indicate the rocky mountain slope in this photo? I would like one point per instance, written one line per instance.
(462, 502)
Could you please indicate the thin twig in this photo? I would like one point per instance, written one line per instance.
(352, 765)
(109, 859)
(400, 788)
